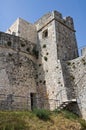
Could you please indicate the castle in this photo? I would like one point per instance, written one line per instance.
(40, 66)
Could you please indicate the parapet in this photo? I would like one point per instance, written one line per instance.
(54, 15)
(68, 21)
(16, 43)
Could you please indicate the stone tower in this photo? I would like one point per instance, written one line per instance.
(56, 43)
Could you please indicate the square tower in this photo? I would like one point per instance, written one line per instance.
(56, 43)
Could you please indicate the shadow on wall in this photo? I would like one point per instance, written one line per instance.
(68, 81)
(43, 101)
(71, 89)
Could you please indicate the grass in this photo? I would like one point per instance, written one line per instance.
(40, 120)
(69, 115)
(42, 114)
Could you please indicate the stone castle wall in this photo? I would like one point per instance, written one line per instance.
(77, 78)
(55, 51)
(17, 67)
(43, 60)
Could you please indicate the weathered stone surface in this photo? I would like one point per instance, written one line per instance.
(41, 67)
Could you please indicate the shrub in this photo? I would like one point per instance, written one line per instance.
(42, 114)
(69, 115)
(57, 111)
(83, 124)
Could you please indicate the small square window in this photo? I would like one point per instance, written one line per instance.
(45, 34)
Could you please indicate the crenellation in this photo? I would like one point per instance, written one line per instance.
(69, 22)
(57, 15)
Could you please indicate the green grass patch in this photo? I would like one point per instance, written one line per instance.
(42, 114)
(14, 120)
(69, 115)
(83, 124)
(40, 119)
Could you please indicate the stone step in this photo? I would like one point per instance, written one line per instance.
(65, 103)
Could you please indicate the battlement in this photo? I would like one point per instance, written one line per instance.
(67, 21)
(16, 43)
(54, 15)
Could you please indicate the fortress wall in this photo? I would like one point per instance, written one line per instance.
(19, 71)
(77, 75)
(17, 43)
(17, 68)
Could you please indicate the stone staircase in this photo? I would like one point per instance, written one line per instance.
(66, 103)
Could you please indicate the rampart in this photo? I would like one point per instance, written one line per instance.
(17, 68)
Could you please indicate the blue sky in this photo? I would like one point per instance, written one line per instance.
(31, 10)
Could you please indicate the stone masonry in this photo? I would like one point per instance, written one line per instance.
(40, 65)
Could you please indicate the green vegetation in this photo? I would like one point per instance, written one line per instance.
(40, 119)
(69, 115)
(42, 114)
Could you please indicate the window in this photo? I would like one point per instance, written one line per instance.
(45, 34)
